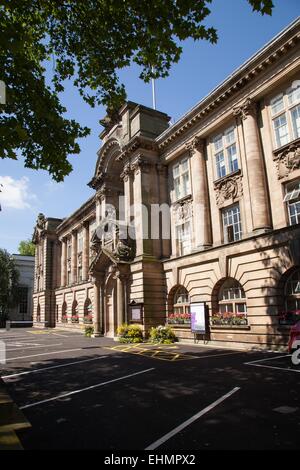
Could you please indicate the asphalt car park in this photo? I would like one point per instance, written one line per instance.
(94, 393)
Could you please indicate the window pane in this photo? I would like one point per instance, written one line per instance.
(232, 158)
(277, 104)
(229, 136)
(294, 95)
(281, 130)
(295, 113)
(241, 308)
(294, 212)
(218, 143)
(220, 162)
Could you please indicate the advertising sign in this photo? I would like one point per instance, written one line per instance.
(198, 322)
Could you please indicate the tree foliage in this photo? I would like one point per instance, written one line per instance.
(26, 248)
(9, 276)
(90, 40)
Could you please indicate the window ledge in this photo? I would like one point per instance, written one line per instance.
(230, 327)
(183, 199)
(229, 175)
(290, 146)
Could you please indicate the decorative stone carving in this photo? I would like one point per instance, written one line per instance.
(126, 172)
(228, 188)
(124, 248)
(41, 221)
(248, 107)
(140, 164)
(196, 144)
(183, 211)
(288, 160)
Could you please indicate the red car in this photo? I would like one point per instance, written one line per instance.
(294, 336)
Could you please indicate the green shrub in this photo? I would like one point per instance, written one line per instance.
(130, 333)
(88, 331)
(162, 334)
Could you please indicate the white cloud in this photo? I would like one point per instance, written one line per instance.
(15, 193)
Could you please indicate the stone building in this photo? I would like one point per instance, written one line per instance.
(22, 312)
(229, 170)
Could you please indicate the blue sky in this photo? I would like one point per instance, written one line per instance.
(201, 68)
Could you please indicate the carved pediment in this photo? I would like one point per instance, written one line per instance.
(183, 211)
(228, 189)
(288, 159)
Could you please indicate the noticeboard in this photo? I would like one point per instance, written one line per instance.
(198, 317)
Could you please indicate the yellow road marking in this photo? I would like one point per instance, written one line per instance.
(152, 353)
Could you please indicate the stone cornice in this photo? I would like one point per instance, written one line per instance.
(83, 212)
(248, 72)
(137, 142)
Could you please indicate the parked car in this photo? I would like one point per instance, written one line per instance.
(294, 336)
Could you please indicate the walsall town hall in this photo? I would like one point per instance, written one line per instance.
(209, 212)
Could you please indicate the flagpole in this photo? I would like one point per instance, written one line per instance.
(153, 90)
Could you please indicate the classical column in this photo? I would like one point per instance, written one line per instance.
(85, 251)
(74, 257)
(255, 165)
(120, 300)
(97, 312)
(63, 279)
(98, 305)
(201, 211)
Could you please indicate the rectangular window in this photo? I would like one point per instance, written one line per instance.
(285, 112)
(281, 130)
(292, 199)
(183, 235)
(225, 151)
(69, 278)
(232, 224)
(79, 275)
(181, 179)
(69, 249)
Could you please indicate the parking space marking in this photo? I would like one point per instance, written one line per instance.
(189, 421)
(35, 347)
(152, 353)
(43, 354)
(42, 369)
(272, 367)
(268, 359)
(91, 387)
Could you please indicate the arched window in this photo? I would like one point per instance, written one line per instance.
(75, 316)
(87, 314)
(292, 292)
(64, 317)
(232, 304)
(181, 301)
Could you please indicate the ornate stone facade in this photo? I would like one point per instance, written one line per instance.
(226, 180)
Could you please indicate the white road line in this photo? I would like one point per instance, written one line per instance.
(63, 395)
(41, 369)
(272, 367)
(268, 359)
(58, 334)
(189, 421)
(43, 354)
(35, 347)
(215, 355)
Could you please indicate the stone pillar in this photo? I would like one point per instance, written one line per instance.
(86, 251)
(120, 300)
(141, 193)
(165, 243)
(255, 165)
(63, 279)
(201, 210)
(98, 305)
(97, 312)
(74, 258)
